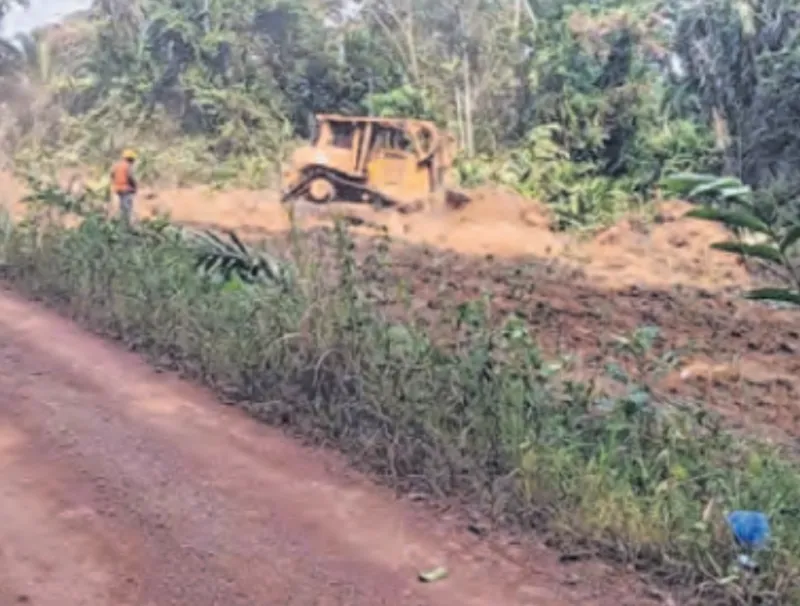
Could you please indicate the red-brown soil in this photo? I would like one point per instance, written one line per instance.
(124, 487)
(736, 357)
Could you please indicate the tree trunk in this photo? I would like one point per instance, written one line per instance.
(468, 123)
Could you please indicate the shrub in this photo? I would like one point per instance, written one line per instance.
(773, 228)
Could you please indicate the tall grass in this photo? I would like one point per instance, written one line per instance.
(487, 420)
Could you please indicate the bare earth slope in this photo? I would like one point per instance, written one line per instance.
(125, 487)
(497, 223)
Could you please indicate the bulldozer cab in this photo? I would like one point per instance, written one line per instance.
(394, 160)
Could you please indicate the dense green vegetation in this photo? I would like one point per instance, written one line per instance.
(584, 105)
(619, 473)
(771, 225)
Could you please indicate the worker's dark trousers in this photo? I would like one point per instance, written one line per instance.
(126, 206)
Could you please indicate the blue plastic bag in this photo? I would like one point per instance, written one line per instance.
(749, 528)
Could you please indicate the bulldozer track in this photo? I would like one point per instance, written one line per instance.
(376, 198)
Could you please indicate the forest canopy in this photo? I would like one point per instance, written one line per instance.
(584, 105)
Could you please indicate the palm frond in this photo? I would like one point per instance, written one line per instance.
(226, 258)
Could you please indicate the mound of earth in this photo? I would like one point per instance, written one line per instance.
(666, 250)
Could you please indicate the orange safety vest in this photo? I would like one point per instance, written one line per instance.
(120, 177)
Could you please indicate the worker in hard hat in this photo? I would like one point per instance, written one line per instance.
(123, 183)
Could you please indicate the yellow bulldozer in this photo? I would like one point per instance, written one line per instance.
(395, 162)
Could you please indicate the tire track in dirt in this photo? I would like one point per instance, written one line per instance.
(127, 487)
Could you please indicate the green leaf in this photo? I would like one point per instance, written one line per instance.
(758, 251)
(239, 244)
(731, 218)
(738, 192)
(782, 295)
(716, 187)
(684, 182)
(791, 238)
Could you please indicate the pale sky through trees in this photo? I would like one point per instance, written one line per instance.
(41, 12)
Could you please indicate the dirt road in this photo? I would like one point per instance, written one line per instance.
(121, 486)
